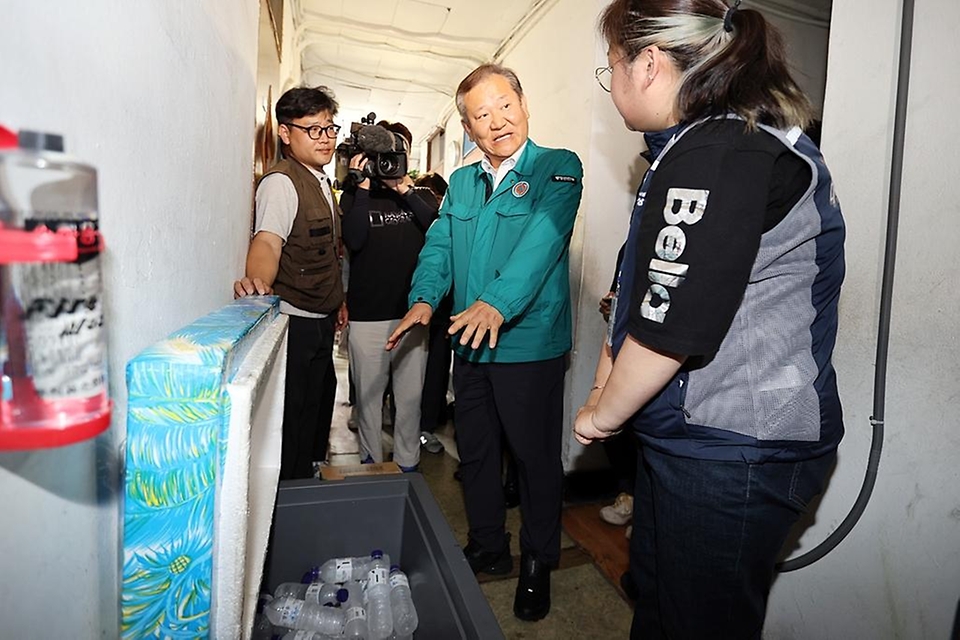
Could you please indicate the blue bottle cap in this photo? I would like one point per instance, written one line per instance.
(311, 576)
(394, 567)
(376, 553)
(342, 595)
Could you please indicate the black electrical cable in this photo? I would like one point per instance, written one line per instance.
(886, 303)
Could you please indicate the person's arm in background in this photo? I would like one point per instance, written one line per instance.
(543, 242)
(276, 208)
(607, 300)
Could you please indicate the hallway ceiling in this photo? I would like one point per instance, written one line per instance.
(403, 59)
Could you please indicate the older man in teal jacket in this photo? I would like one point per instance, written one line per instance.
(501, 243)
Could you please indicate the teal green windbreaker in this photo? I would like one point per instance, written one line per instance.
(509, 250)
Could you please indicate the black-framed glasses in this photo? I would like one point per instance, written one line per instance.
(315, 131)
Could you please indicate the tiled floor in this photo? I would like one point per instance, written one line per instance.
(585, 604)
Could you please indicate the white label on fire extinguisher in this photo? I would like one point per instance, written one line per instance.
(63, 326)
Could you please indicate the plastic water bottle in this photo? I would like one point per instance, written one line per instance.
(341, 570)
(405, 618)
(262, 628)
(354, 615)
(316, 592)
(295, 634)
(291, 613)
(53, 356)
(379, 617)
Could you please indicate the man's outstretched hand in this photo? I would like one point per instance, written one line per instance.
(475, 321)
(420, 313)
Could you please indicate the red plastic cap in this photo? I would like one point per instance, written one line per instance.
(8, 138)
(39, 245)
(46, 437)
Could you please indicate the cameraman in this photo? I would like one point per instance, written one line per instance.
(384, 224)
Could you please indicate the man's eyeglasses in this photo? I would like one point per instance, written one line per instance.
(316, 130)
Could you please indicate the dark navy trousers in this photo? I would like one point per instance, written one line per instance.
(523, 401)
(706, 537)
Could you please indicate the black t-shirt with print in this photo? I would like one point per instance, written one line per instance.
(751, 181)
(383, 232)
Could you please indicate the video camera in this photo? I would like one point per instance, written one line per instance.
(386, 152)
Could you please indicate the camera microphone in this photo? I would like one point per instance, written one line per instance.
(375, 139)
(385, 151)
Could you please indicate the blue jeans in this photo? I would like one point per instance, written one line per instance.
(706, 537)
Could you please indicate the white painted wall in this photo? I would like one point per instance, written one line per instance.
(806, 46)
(290, 71)
(159, 96)
(898, 573)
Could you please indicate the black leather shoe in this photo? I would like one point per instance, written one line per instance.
(629, 586)
(532, 601)
(511, 495)
(496, 563)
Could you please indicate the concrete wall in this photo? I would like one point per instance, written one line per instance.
(898, 573)
(806, 46)
(159, 96)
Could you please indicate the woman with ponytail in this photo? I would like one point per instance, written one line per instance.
(718, 353)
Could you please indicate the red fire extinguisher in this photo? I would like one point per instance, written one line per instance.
(53, 360)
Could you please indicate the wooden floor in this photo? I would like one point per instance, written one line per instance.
(605, 544)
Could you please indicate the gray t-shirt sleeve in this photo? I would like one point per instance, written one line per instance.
(276, 206)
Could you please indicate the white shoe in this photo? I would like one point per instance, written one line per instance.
(620, 512)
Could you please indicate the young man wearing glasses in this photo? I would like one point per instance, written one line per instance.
(295, 254)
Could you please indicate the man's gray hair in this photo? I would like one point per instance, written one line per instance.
(478, 75)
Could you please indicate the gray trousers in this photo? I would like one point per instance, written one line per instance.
(370, 366)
